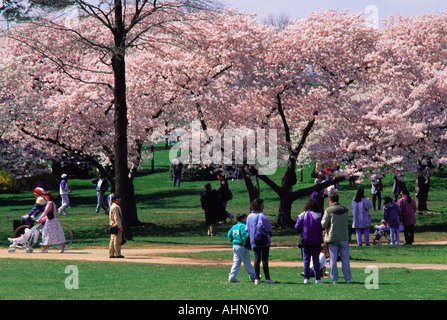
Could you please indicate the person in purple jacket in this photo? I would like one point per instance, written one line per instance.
(309, 225)
(259, 228)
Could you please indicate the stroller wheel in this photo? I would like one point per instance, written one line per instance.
(12, 250)
(29, 250)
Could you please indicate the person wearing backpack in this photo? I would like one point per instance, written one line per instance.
(308, 224)
(238, 235)
(260, 231)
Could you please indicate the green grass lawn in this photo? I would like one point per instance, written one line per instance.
(131, 281)
(174, 217)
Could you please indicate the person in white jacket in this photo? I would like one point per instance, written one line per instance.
(361, 218)
(64, 190)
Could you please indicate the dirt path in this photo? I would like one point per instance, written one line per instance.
(153, 255)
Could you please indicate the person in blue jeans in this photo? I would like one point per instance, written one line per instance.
(237, 235)
(335, 221)
(309, 225)
(258, 226)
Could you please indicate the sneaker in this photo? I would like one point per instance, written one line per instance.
(269, 281)
(348, 281)
(319, 281)
(257, 281)
(334, 281)
(234, 280)
(306, 281)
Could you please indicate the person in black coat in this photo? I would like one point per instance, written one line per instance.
(214, 212)
(225, 195)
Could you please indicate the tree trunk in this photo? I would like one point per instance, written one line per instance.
(422, 187)
(285, 210)
(123, 185)
(253, 191)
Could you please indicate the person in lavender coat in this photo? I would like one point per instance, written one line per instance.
(309, 225)
(361, 219)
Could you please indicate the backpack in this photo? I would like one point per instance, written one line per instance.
(260, 239)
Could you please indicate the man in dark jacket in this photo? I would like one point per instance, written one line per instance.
(225, 195)
(214, 211)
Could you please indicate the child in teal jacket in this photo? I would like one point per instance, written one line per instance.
(237, 236)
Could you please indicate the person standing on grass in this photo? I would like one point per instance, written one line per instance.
(225, 195)
(64, 190)
(214, 212)
(407, 205)
(101, 187)
(52, 233)
(177, 167)
(335, 221)
(376, 190)
(260, 231)
(361, 220)
(237, 235)
(309, 225)
(391, 214)
(116, 219)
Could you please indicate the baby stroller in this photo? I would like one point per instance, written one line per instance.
(26, 237)
(382, 234)
(27, 240)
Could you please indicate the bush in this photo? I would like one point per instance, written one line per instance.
(9, 184)
(196, 173)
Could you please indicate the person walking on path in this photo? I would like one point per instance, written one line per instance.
(259, 228)
(361, 218)
(391, 214)
(309, 225)
(335, 221)
(52, 233)
(237, 235)
(101, 188)
(64, 190)
(407, 206)
(116, 220)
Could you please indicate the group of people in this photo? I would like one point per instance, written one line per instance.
(254, 232)
(44, 212)
(324, 234)
(397, 216)
(214, 203)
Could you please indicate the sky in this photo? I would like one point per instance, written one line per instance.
(300, 8)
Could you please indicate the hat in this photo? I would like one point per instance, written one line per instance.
(63, 176)
(39, 191)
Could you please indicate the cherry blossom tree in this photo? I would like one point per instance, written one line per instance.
(92, 54)
(402, 119)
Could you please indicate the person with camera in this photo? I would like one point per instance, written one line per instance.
(115, 228)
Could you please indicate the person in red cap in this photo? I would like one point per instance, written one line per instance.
(39, 206)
